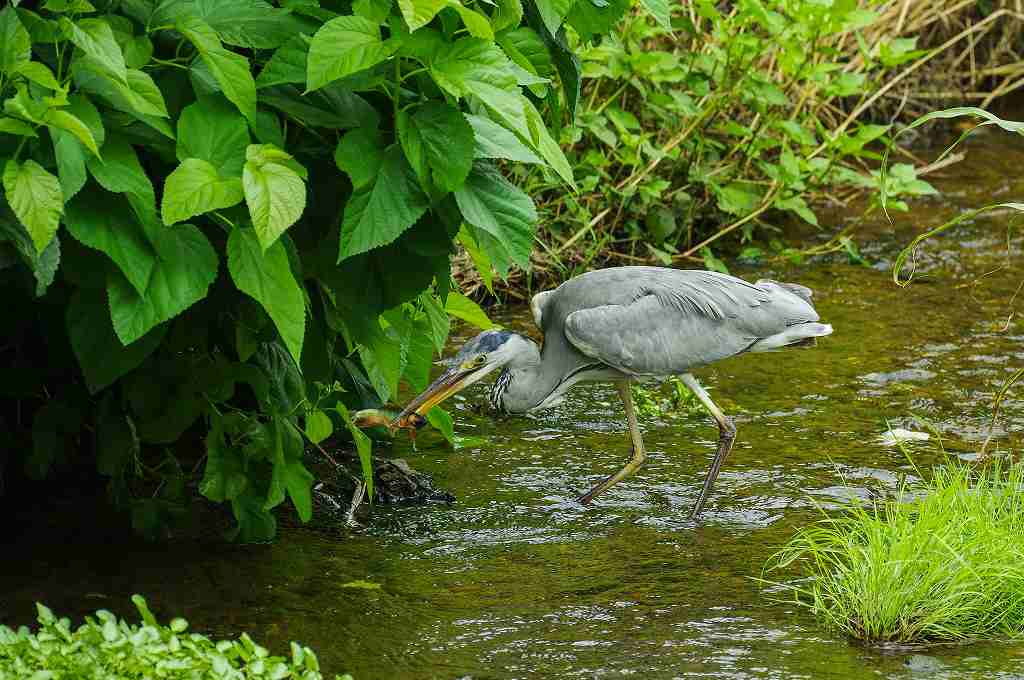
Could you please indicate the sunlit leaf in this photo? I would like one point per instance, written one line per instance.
(195, 187)
(344, 46)
(35, 197)
(461, 307)
(274, 192)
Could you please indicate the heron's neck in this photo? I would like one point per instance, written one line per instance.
(526, 380)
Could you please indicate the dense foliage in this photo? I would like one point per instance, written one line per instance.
(225, 222)
(106, 647)
(936, 564)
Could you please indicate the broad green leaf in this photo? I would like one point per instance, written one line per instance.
(373, 10)
(85, 111)
(526, 48)
(461, 307)
(494, 141)
(274, 192)
(100, 354)
(591, 20)
(120, 171)
(490, 202)
(224, 476)
(185, 267)
(13, 126)
(229, 68)
(363, 448)
(419, 13)
(211, 129)
(248, 23)
(35, 197)
(344, 46)
(195, 187)
(659, 9)
(23, 105)
(318, 426)
(62, 120)
(509, 14)
(437, 138)
(105, 223)
(552, 12)
(419, 355)
(96, 39)
(382, 210)
(70, 156)
(38, 73)
(288, 64)
(440, 324)
(471, 62)
(441, 421)
(140, 97)
(267, 277)
(15, 42)
(477, 24)
(565, 61)
(470, 240)
(256, 524)
(43, 265)
(360, 156)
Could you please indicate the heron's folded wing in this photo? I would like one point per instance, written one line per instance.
(667, 331)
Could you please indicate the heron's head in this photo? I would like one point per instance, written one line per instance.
(480, 356)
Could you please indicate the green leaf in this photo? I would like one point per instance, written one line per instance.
(140, 97)
(360, 155)
(224, 477)
(274, 192)
(470, 240)
(381, 211)
(85, 111)
(38, 73)
(437, 137)
(120, 171)
(490, 202)
(363, 448)
(230, 69)
(70, 156)
(552, 12)
(211, 129)
(100, 354)
(318, 426)
(43, 265)
(287, 65)
(96, 39)
(62, 120)
(441, 421)
(15, 42)
(35, 197)
(267, 278)
(494, 141)
(461, 307)
(507, 15)
(659, 9)
(471, 62)
(439, 322)
(344, 46)
(248, 23)
(419, 13)
(570, 71)
(477, 24)
(256, 524)
(103, 222)
(185, 267)
(590, 19)
(13, 126)
(195, 187)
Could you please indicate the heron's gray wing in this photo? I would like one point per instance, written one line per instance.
(669, 329)
(538, 304)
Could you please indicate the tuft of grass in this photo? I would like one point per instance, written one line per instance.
(946, 566)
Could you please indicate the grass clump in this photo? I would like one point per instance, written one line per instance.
(106, 647)
(945, 566)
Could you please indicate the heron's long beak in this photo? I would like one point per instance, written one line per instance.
(451, 381)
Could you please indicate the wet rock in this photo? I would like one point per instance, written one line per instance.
(905, 375)
(396, 482)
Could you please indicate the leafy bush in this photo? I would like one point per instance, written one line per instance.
(944, 566)
(105, 647)
(225, 221)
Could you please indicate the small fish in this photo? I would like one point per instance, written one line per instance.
(374, 417)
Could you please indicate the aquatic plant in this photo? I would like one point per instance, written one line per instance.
(941, 563)
(107, 647)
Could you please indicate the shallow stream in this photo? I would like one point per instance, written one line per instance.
(515, 580)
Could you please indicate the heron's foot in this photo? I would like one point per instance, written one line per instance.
(628, 469)
(726, 438)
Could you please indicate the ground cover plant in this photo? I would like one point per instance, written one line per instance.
(226, 223)
(107, 647)
(941, 563)
(745, 117)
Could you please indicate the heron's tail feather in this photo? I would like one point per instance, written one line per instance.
(801, 335)
(802, 292)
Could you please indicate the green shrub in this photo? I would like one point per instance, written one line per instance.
(105, 647)
(223, 223)
(946, 565)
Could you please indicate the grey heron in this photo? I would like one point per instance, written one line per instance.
(625, 324)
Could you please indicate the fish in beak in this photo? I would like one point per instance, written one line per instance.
(455, 379)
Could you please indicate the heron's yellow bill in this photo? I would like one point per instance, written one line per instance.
(451, 381)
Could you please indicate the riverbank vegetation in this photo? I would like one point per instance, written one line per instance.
(104, 646)
(713, 137)
(933, 564)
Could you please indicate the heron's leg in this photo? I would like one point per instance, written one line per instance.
(638, 448)
(726, 436)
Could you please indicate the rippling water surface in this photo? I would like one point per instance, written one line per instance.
(515, 580)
